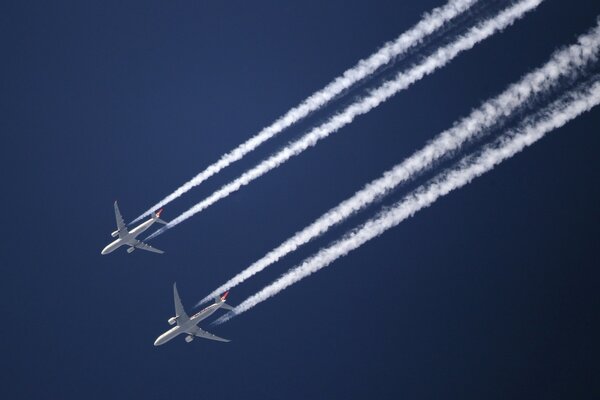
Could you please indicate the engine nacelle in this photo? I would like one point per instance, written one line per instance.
(189, 338)
(172, 320)
(130, 250)
(115, 234)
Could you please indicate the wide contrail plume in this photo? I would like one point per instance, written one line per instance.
(402, 80)
(552, 117)
(565, 62)
(430, 22)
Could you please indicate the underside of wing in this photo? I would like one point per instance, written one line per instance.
(207, 335)
(143, 246)
(121, 227)
(179, 311)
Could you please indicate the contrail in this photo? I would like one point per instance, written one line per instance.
(402, 80)
(565, 62)
(430, 22)
(552, 117)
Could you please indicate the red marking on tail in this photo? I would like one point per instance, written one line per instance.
(158, 212)
(224, 295)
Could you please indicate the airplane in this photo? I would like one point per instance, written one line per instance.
(188, 325)
(128, 237)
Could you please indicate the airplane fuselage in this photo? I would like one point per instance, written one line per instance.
(189, 325)
(130, 238)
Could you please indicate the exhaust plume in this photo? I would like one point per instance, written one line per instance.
(552, 117)
(430, 23)
(568, 61)
(402, 80)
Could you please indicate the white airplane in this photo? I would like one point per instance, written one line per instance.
(188, 325)
(128, 237)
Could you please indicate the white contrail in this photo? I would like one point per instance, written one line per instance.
(402, 80)
(430, 22)
(565, 62)
(554, 116)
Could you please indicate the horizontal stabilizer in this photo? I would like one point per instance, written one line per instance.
(156, 217)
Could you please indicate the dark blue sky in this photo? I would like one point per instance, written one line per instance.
(491, 293)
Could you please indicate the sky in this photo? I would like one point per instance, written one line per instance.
(490, 293)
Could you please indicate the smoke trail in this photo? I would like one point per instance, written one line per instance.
(552, 117)
(438, 59)
(565, 62)
(414, 36)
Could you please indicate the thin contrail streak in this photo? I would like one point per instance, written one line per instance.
(552, 117)
(438, 59)
(430, 23)
(566, 62)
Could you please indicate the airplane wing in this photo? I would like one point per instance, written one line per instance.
(207, 335)
(143, 246)
(121, 227)
(179, 311)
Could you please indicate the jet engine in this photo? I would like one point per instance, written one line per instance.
(114, 234)
(172, 320)
(131, 249)
(189, 338)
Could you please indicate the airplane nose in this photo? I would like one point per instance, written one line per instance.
(108, 249)
(157, 342)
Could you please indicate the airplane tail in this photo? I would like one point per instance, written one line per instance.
(156, 217)
(221, 299)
